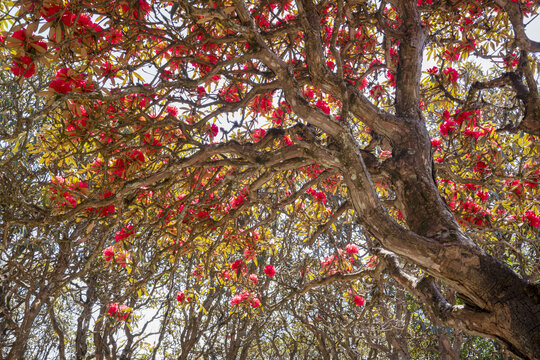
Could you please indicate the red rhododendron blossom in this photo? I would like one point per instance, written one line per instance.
(433, 71)
(236, 299)
(237, 201)
(351, 249)
(452, 74)
(108, 253)
(180, 296)
(358, 300)
(121, 311)
(480, 167)
(447, 127)
(254, 278)
(483, 195)
(270, 270)
(237, 265)
(113, 309)
(258, 134)
(213, 130)
(532, 218)
(23, 65)
(124, 233)
(60, 86)
(249, 254)
(288, 140)
(20, 35)
(323, 105)
(123, 258)
(255, 303)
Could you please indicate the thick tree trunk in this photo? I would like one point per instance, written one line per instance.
(500, 304)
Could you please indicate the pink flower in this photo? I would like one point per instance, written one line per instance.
(108, 253)
(121, 311)
(270, 270)
(254, 278)
(180, 296)
(236, 299)
(358, 300)
(435, 142)
(351, 249)
(255, 302)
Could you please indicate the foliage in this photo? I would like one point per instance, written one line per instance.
(251, 179)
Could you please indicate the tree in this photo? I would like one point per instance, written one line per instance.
(214, 138)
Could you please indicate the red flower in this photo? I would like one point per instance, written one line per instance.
(237, 201)
(258, 134)
(213, 130)
(483, 195)
(125, 310)
(124, 233)
(532, 218)
(270, 270)
(237, 265)
(358, 300)
(351, 249)
(480, 167)
(236, 299)
(60, 86)
(121, 311)
(288, 140)
(172, 110)
(20, 35)
(452, 74)
(113, 309)
(180, 296)
(108, 253)
(447, 127)
(23, 65)
(255, 302)
(433, 71)
(323, 105)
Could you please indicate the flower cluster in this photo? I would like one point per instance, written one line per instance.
(318, 196)
(121, 257)
(70, 192)
(532, 218)
(121, 312)
(246, 297)
(124, 233)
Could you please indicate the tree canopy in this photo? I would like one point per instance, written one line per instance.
(250, 179)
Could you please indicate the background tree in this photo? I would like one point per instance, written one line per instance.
(247, 153)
